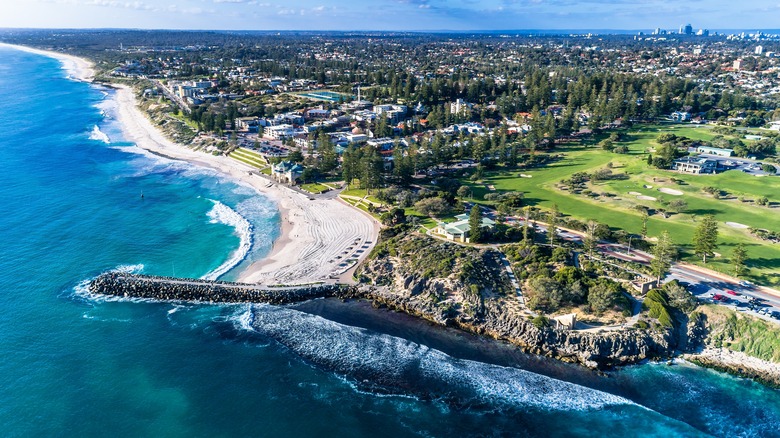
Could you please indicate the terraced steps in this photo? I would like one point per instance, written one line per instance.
(249, 157)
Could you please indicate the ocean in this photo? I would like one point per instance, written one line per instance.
(80, 200)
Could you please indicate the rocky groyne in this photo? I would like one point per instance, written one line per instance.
(205, 291)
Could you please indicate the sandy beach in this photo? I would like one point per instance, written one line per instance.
(78, 68)
(317, 236)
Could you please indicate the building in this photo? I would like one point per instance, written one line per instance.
(738, 64)
(715, 151)
(680, 116)
(286, 172)
(759, 50)
(248, 124)
(279, 132)
(459, 230)
(460, 106)
(694, 165)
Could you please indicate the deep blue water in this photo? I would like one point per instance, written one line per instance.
(74, 365)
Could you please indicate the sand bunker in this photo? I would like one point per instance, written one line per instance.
(523, 175)
(648, 187)
(635, 193)
(646, 198)
(672, 192)
(737, 225)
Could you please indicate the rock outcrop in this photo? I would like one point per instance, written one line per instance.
(480, 302)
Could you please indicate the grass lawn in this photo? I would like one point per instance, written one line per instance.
(361, 193)
(618, 211)
(249, 157)
(315, 188)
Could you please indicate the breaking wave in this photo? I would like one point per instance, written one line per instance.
(223, 214)
(383, 363)
(99, 135)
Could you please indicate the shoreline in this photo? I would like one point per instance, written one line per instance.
(300, 253)
(313, 235)
(79, 69)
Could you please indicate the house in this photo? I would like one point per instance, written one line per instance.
(715, 151)
(695, 165)
(680, 116)
(459, 230)
(286, 172)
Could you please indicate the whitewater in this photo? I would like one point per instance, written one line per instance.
(76, 366)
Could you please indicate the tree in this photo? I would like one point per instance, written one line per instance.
(679, 296)
(705, 238)
(327, 153)
(663, 255)
(545, 293)
(432, 206)
(475, 224)
(643, 230)
(677, 205)
(552, 225)
(526, 223)
(738, 258)
(590, 237)
(464, 191)
(769, 168)
(602, 296)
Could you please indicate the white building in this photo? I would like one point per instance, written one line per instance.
(279, 132)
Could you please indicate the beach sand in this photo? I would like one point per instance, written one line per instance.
(78, 68)
(316, 237)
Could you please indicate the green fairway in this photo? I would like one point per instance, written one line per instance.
(617, 210)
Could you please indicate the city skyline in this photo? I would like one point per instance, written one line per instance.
(401, 15)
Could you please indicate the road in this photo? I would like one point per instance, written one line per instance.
(703, 283)
(173, 97)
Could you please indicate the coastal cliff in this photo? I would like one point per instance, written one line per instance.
(468, 288)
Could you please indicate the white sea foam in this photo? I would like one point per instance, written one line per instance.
(99, 135)
(129, 269)
(402, 366)
(223, 214)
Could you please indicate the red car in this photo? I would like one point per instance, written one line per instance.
(731, 292)
(718, 297)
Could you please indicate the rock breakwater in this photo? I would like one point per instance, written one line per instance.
(205, 291)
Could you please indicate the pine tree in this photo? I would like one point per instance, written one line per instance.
(475, 224)
(705, 238)
(590, 237)
(663, 255)
(738, 258)
(552, 224)
(643, 230)
(526, 223)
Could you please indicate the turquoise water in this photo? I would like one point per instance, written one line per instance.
(74, 365)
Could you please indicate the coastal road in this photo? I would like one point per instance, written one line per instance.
(705, 284)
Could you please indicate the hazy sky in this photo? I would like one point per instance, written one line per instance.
(391, 14)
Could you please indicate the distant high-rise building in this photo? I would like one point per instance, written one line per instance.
(657, 31)
(688, 29)
(703, 32)
(759, 50)
(738, 64)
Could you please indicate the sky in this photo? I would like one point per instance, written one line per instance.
(390, 14)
